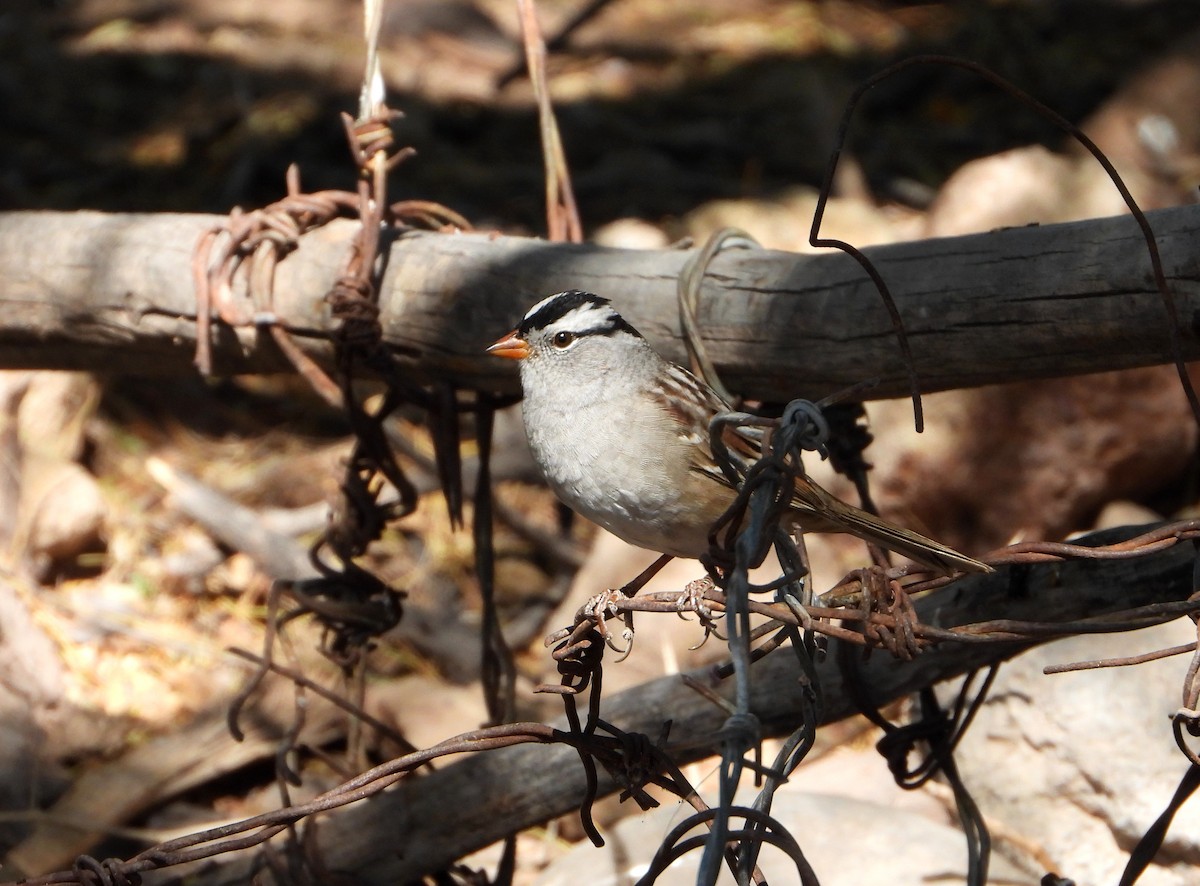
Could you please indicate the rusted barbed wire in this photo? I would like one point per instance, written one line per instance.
(613, 750)
(838, 606)
(1187, 718)
(691, 279)
(233, 267)
(234, 270)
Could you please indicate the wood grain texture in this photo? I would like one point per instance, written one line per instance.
(111, 292)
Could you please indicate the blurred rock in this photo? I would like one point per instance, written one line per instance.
(1079, 765)
(1031, 460)
(1148, 127)
(189, 560)
(65, 512)
(847, 842)
(630, 233)
(427, 710)
(57, 510)
(13, 386)
(54, 413)
(1126, 513)
(785, 221)
(31, 671)
(1145, 129)
(1019, 187)
(33, 712)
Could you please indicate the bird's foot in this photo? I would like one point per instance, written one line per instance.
(603, 606)
(692, 599)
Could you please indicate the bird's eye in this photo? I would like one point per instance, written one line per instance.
(563, 339)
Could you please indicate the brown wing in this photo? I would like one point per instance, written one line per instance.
(830, 514)
(816, 510)
(693, 404)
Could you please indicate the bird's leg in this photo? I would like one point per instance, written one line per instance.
(602, 606)
(631, 589)
(606, 601)
(605, 604)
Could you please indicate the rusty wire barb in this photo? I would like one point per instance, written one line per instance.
(1187, 718)
(233, 265)
(107, 872)
(839, 613)
(234, 271)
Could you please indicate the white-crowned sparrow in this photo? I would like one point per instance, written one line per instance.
(622, 437)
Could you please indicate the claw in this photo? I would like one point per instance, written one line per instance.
(603, 606)
(627, 636)
(692, 599)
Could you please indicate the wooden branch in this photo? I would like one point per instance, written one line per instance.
(429, 821)
(111, 292)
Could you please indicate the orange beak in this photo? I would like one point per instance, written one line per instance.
(512, 346)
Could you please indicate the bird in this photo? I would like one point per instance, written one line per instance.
(622, 437)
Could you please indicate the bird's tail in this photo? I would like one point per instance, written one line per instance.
(820, 511)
